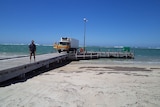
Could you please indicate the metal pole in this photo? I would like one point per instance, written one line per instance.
(84, 34)
(85, 20)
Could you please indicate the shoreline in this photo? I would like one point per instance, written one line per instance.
(88, 84)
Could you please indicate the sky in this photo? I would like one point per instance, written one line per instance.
(110, 22)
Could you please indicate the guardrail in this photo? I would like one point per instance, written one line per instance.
(96, 55)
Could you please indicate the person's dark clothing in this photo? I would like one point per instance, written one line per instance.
(32, 48)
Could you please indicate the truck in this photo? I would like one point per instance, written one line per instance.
(67, 44)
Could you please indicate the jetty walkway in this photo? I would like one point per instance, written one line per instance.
(19, 66)
(13, 67)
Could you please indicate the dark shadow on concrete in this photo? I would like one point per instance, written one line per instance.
(34, 73)
(14, 57)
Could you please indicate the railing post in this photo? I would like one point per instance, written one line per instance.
(91, 55)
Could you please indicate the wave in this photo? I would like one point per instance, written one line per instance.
(13, 44)
(118, 46)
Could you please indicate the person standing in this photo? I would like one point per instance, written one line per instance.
(32, 49)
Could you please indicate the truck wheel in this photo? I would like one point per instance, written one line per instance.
(59, 51)
(75, 50)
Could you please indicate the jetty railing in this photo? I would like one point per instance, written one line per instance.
(97, 55)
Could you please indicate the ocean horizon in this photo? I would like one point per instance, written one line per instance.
(148, 55)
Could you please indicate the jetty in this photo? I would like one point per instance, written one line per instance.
(13, 67)
(97, 55)
(19, 66)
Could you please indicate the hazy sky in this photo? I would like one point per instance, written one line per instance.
(110, 22)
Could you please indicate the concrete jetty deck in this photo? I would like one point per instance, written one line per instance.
(13, 67)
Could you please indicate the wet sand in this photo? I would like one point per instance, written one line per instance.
(87, 85)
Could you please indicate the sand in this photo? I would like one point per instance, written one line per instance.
(87, 85)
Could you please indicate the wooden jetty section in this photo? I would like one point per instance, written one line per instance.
(127, 55)
(97, 55)
(13, 67)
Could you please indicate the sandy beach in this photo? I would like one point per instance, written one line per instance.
(87, 84)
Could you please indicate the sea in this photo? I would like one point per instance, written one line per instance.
(142, 55)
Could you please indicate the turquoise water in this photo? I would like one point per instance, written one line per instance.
(142, 55)
(22, 50)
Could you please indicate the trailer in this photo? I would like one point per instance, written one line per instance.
(66, 44)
